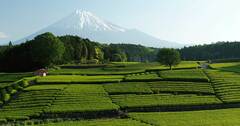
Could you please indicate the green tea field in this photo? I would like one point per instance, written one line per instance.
(123, 94)
(119, 63)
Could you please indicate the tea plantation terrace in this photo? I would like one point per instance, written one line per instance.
(154, 96)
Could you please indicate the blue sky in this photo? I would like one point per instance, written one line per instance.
(183, 21)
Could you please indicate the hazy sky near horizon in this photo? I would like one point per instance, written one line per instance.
(183, 21)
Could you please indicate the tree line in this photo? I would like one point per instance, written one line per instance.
(219, 50)
(46, 50)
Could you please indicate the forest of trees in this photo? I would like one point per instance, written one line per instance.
(168, 57)
(131, 52)
(46, 50)
(219, 50)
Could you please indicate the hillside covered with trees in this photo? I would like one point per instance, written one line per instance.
(47, 49)
(219, 50)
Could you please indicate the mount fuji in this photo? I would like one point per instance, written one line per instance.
(86, 25)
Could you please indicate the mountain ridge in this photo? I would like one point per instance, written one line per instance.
(86, 25)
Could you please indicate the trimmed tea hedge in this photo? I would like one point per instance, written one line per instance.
(142, 77)
(226, 85)
(80, 100)
(181, 87)
(99, 122)
(196, 75)
(128, 88)
(221, 117)
(29, 104)
(78, 79)
(155, 100)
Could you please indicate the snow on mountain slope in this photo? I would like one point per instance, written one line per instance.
(83, 20)
(87, 25)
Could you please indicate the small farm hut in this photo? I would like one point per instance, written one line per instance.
(41, 72)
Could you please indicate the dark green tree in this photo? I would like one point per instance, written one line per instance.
(99, 55)
(117, 57)
(46, 49)
(133, 52)
(123, 57)
(10, 44)
(219, 50)
(168, 57)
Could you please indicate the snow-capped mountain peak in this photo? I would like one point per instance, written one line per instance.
(87, 25)
(84, 20)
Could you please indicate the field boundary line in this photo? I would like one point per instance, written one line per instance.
(109, 96)
(181, 108)
(144, 122)
(52, 102)
(120, 112)
(15, 95)
(213, 86)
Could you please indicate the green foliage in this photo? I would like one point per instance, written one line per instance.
(3, 93)
(232, 66)
(99, 54)
(46, 49)
(80, 50)
(224, 65)
(181, 87)
(227, 60)
(53, 98)
(10, 90)
(10, 44)
(226, 85)
(24, 83)
(46, 87)
(183, 65)
(219, 50)
(79, 79)
(133, 52)
(6, 97)
(123, 57)
(30, 103)
(221, 117)
(102, 122)
(3, 85)
(96, 71)
(184, 75)
(118, 68)
(107, 69)
(155, 100)
(128, 88)
(92, 61)
(11, 77)
(3, 49)
(142, 77)
(82, 98)
(17, 86)
(43, 51)
(169, 57)
(119, 57)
